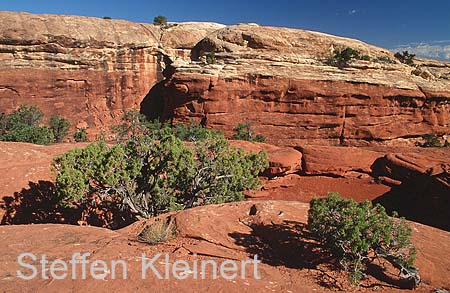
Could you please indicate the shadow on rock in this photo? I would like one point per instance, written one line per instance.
(291, 245)
(36, 205)
(420, 201)
(418, 193)
(288, 244)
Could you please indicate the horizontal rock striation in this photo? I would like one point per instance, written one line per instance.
(91, 70)
(88, 70)
(278, 80)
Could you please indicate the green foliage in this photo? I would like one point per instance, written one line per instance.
(384, 59)
(211, 58)
(193, 132)
(158, 232)
(107, 17)
(431, 140)
(358, 233)
(160, 20)
(148, 177)
(447, 144)
(80, 135)
(23, 125)
(405, 57)
(135, 124)
(341, 58)
(244, 131)
(365, 58)
(60, 127)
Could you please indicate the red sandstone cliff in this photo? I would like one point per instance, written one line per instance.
(90, 70)
(86, 69)
(277, 79)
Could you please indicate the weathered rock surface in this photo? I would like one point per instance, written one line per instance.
(282, 160)
(338, 161)
(421, 189)
(88, 70)
(277, 80)
(274, 230)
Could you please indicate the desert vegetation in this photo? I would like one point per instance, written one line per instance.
(158, 232)
(160, 20)
(405, 57)
(432, 140)
(342, 57)
(80, 135)
(26, 125)
(244, 131)
(359, 233)
(146, 175)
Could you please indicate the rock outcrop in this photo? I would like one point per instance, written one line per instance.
(278, 80)
(91, 70)
(88, 70)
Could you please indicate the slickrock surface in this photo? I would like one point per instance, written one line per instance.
(274, 230)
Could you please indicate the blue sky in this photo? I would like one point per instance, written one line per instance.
(389, 24)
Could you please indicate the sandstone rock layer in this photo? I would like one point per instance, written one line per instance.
(277, 79)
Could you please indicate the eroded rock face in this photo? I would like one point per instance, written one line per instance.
(277, 80)
(88, 70)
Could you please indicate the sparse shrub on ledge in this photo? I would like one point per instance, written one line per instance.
(25, 125)
(433, 141)
(134, 124)
(60, 127)
(160, 20)
(158, 232)
(405, 57)
(80, 135)
(244, 131)
(342, 58)
(384, 59)
(211, 58)
(358, 233)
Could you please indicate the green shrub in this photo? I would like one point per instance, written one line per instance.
(341, 58)
(211, 58)
(60, 127)
(107, 17)
(149, 177)
(244, 131)
(135, 124)
(405, 57)
(431, 140)
(33, 134)
(160, 20)
(80, 135)
(193, 132)
(24, 125)
(158, 232)
(384, 59)
(358, 233)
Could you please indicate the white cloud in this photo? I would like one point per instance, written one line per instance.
(435, 50)
(352, 12)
